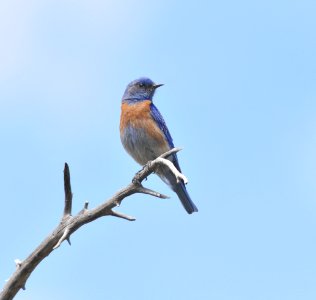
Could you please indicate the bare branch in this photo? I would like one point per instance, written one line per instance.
(68, 193)
(85, 208)
(64, 237)
(144, 190)
(69, 224)
(173, 169)
(171, 151)
(152, 165)
(123, 216)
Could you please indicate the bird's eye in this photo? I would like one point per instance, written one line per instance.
(141, 85)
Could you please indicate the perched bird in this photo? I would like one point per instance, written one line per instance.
(145, 136)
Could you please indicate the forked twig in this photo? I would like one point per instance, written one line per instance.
(69, 224)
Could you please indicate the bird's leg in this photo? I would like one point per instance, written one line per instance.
(136, 179)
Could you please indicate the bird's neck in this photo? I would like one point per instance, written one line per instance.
(134, 100)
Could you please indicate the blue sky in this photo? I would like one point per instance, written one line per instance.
(239, 97)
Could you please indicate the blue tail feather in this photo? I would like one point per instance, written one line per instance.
(184, 197)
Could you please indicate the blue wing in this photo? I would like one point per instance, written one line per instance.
(163, 127)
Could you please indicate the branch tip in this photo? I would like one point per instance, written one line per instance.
(179, 176)
(147, 191)
(18, 263)
(172, 151)
(121, 215)
(68, 193)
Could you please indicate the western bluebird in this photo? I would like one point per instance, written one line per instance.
(145, 136)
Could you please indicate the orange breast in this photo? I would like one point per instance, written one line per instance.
(139, 116)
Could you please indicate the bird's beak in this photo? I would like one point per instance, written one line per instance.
(158, 85)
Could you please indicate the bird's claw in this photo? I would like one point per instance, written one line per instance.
(136, 179)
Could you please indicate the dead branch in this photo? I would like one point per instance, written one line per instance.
(69, 224)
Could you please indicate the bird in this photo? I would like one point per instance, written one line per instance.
(145, 135)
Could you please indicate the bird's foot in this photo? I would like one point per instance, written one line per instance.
(137, 177)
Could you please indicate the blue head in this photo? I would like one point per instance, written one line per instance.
(139, 90)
